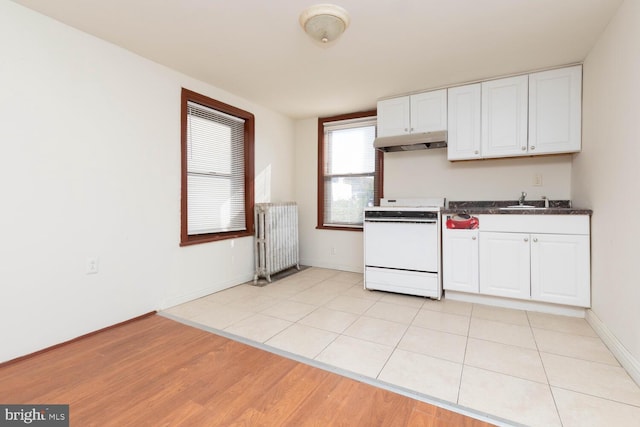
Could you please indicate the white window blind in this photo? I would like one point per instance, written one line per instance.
(349, 171)
(215, 171)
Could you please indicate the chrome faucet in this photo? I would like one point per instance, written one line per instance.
(521, 199)
(546, 201)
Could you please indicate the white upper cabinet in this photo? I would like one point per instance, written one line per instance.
(394, 116)
(504, 117)
(555, 101)
(464, 122)
(429, 111)
(422, 112)
(527, 115)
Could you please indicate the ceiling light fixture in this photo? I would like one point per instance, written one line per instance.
(324, 22)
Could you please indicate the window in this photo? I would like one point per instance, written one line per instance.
(349, 170)
(217, 170)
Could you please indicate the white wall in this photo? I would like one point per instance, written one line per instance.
(341, 250)
(428, 173)
(425, 173)
(90, 166)
(607, 172)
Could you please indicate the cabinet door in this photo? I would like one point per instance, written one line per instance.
(555, 104)
(560, 269)
(504, 264)
(464, 122)
(504, 117)
(393, 116)
(460, 260)
(429, 111)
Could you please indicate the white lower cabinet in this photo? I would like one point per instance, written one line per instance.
(460, 260)
(560, 269)
(544, 258)
(504, 264)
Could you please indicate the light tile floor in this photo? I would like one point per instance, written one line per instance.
(531, 368)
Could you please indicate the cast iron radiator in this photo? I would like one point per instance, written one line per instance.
(276, 246)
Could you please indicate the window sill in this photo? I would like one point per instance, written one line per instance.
(206, 238)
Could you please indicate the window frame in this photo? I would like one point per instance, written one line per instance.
(378, 174)
(249, 197)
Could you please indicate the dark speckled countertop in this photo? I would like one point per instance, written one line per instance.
(556, 207)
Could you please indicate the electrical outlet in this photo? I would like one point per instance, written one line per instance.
(92, 265)
(333, 251)
(537, 180)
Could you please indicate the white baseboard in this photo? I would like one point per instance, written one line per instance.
(543, 307)
(179, 299)
(626, 359)
(332, 266)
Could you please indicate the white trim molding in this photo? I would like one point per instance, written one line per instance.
(517, 304)
(173, 300)
(626, 359)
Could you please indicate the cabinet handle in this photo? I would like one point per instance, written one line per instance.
(411, 129)
(476, 152)
(535, 239)
(406, 130)
(473, 238)
(533, 147)
(526, 239)
(524, 148)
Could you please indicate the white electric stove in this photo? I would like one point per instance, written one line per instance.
(402, 249)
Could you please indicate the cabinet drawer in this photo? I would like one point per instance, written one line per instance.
(550, 224)
(401, 281)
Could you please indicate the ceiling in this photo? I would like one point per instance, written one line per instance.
(256, 49)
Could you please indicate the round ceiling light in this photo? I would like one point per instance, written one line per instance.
(324, 22)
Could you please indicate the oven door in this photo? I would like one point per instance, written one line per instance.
(401, 245)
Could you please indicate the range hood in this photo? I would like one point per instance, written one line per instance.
(414, 141)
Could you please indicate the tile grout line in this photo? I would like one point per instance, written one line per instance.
(544, 369)
(582, 393)
(396, 345)
(464, 356)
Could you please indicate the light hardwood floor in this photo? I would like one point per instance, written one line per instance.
(157, 372)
